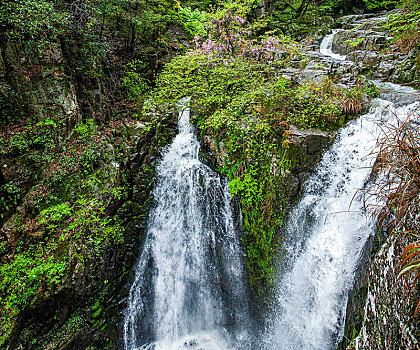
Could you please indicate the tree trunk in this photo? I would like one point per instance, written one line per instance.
(264, 7)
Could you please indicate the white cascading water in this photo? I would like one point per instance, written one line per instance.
(189, 288)
(326, 46)
(326, 234)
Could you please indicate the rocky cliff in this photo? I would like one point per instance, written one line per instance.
(75, 192)
(74, 158)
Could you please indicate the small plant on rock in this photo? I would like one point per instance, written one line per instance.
(398, 187)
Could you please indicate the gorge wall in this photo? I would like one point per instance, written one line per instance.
(75, 157)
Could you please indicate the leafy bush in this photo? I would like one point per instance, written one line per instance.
(34, 18)
(29, 276)
(192, 20)
(380, 4)
(69, 233)
(135, 82)
(405, 26)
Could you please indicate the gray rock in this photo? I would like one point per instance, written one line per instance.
(362, 42)
(385, 70)
(309, 75)
(307, 146)
(365, 60)
(389, 321)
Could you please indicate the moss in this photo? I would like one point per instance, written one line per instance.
(246, 107)
(62, 335)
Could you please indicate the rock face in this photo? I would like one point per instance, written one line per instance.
(76, 297)
(305, 151)
(370, 47)
(83, 310)
(389, 321)
(37, 76)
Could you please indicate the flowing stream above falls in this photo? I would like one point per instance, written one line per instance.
(189, 289)
(326, 46)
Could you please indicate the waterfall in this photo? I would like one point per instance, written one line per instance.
(189, 288)
(326, 46)
(326, 234)
(327, 230)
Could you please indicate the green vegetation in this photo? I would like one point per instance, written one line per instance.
(243, 103)
(38, 21)
(29, 276)
(68, 194)
(62, 335)
(71, 228)
(405, 26)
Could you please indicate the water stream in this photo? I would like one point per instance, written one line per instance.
(326, 46)
(189, 286)
(327, 231)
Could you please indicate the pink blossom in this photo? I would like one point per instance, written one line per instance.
(240, 19)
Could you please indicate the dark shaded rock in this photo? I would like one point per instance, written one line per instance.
(304, 152)
(307, 147)
(42, 89)
(86, 307)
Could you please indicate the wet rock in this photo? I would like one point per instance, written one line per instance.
(304, 152)
(348, 41)
(290, 73)
(366, 61)
(361, 21)
(389, 321)
(385, 70)
(215, 153)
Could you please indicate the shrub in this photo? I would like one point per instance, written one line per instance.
(135, 82)
(397, 169)
(35, 19)
(411, 269)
